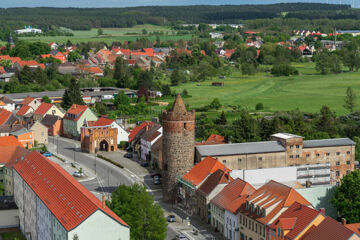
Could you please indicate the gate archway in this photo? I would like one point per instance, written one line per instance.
(104, 146)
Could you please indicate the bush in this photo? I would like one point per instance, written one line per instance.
(110, 161)
(283, 70)
(123, 145)
(259, 106)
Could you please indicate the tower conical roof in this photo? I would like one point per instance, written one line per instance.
(179, 106)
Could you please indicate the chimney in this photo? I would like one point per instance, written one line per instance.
(322, 210)
(343, 221)
(103, 201)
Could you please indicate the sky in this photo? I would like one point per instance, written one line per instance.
(132, 3)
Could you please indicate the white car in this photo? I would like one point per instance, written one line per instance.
(78, 174)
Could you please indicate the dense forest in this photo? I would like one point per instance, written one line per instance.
(83, 19)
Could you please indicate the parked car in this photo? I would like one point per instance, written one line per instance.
(155, 174)
(47, 154)
(128, 155)
(157, 180)
(145, 164)
(78, 174)
(171, 218)
(181, 236)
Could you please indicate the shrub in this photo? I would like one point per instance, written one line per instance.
(110, 161)
(259, 106)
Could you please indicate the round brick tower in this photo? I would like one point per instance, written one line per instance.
(178, 146)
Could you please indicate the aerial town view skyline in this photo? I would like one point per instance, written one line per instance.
(194, 120)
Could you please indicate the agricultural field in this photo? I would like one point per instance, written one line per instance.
(114, 34)
(309, 91)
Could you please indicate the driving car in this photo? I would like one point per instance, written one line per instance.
(171, 218)
(128, 155)
(157, 180)
(181, 236)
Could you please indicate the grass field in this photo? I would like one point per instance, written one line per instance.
(308, 91)
(114, 34)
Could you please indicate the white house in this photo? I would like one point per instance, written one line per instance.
(7, 103)
(147, 140)
(28, 30)
(53, 205)
(122, 135)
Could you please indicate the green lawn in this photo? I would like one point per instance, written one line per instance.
(308, 91)
(12, 235)
(114, 34)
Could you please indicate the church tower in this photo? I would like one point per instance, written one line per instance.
(178, 146)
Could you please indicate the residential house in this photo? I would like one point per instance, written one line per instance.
(264, 206)
(156, 154)
(6, 77)
(53, 46)
(305, 51)
(58, 55)
(40, 132)
(25, 137)
(54, 125)
(31, 102)
(75, 118)
(284, 150)
(47, 109)
(231, 192)
(122, 134)
(192, 180)
(31, 64)
(6, 129)
(53, 205)
(24, 112)
(212, 140)
(331, 230)
(355, 227)
(7, 103)
(135, 134)
(295, 222)
(147, 140)
(208, 190)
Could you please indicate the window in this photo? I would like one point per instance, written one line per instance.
(338, 153)
(297, 156)
(307, 155)
(184, 125)
(291, 156)
(338, 173)
(291, 146)
(42, 134)
(318, 155)
(239, 160)
(224, 161)
(348, 162)
(337, 163)
(348, 152)
(297, 146)
(327, 154)
(260, 158)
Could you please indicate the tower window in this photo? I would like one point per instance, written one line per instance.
(184, 125)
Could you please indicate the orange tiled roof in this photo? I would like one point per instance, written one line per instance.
(296, 218)
(23, 110)
(102, 121)
(27, 100)
(43, 108)
(12, 59)
(137, 129)
(4, 116)
(30, 63)
(45, 55)
(273, 196)
(9, 141)
(355, 227)
(69, 201)
(12, 154)
(329, 229)
(76, 110)
(213, 139)
(231, 192)
(2, 70)
(201, 170)
(218, 177)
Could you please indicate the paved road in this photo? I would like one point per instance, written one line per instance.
(108, 175)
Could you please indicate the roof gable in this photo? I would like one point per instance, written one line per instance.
(4, 116)
(75, 112)
(43, 108)
(23, 110)
(218, 177)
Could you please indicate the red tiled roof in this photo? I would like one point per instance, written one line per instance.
(69, 201)
(9, 141)
(296, 218)
(92, 69)
(23, 110)
(43, 108)
(102, 121)
(12, 154)
(12, 59)
(229, 52)
(76, 110)
(218, 177)
(201, 170)
(274, 196)
(30, 63)
(137, 129)
(329, 229)
(131, 61)
(125, 51)
(46, 55)
(355, 227)
(4, 116)
(2, 70)
(213, 139)
(27, 100)
(231, 192)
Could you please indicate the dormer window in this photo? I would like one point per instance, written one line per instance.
(263, 213)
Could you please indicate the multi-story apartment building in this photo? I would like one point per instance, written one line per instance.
(53, 205)
(285, 150)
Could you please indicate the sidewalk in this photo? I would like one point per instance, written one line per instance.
(70, 165)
